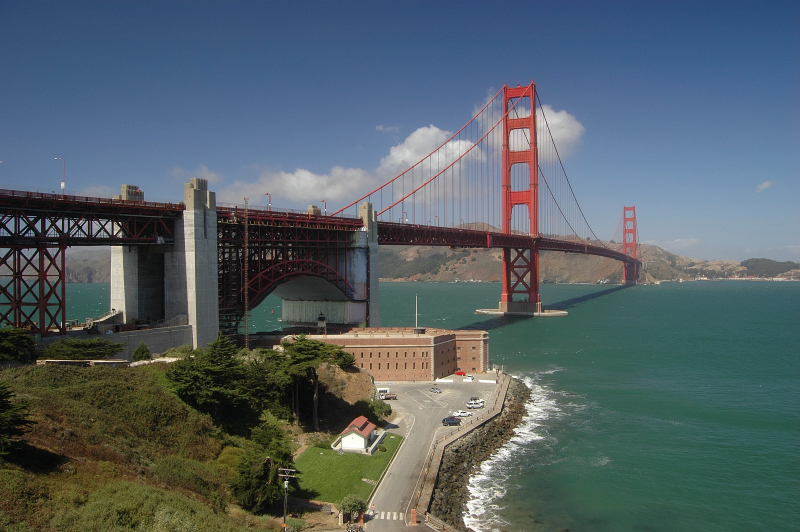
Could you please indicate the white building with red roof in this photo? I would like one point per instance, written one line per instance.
(358, 437)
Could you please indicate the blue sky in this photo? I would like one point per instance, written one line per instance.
(689, 110)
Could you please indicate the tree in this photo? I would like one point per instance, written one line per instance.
(351, 506)
(141, 352)
(257, 484)
(16, 344)
(82, 349)
(304, 356)
(212, 381)
(13, 418)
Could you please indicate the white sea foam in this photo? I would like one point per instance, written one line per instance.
(488, 486)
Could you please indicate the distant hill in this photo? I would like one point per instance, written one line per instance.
(88, 265)
(433, 263)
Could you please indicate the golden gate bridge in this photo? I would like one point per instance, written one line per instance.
(498, 182)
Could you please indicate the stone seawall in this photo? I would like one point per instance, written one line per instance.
(465, 454)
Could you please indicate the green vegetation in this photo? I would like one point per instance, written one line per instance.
(768, 267)
(174, 446)
(14, 418)
(141, 352)
(351, 506)
(325, 475)
(80, 349)
(16, 344)
(391, 266)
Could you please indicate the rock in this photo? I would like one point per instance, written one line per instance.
(465, 454)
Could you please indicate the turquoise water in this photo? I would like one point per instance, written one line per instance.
(655, 408)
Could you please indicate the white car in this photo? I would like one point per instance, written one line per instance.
(461, 413)
(469, 378)
(475, 404)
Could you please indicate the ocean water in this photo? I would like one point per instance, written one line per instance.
(654, 408)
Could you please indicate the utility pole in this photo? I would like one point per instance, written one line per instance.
(285, 474)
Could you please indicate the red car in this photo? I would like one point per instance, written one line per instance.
(461, 373)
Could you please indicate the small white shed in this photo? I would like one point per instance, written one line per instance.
(358, 436)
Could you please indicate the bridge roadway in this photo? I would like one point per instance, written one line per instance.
(420, 412)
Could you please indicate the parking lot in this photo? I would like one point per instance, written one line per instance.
(420, 412)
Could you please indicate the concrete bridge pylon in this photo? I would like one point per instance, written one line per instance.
(160, 282)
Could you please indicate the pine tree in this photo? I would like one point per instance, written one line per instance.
(13, 418)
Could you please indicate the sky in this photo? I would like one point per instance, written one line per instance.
(687, 110)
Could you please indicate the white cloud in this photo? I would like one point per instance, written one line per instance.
(343, 184)
(565, 129)
(300, 186)
(409, 152)
(98, 191)
(201, 171)
(764, 186)
(387, 129)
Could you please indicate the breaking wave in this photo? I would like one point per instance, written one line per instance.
(488, 486)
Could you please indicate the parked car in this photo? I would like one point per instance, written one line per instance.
(469, 378)
(436, 390)
(475, 398)
(450, 420)
(461, 373)
(461, 413)
(475, 404)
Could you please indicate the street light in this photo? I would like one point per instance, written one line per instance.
(269, 201)
(63, 172)
(325, 203)
(285, 500)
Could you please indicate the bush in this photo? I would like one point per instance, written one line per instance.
(80, 349)
(188, 474)
(141, 352)
(16, 344)
(380, 408)
(13, 418)
(351, 506)
(128, 506)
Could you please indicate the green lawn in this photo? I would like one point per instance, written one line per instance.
(325, 475)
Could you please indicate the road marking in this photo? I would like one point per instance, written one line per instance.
(391, 516)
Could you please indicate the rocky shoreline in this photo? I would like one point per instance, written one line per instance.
(462, 457)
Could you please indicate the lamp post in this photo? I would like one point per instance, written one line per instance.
(63, 173)
(269, 201)
(285, 474)
(405, 215)
(285, 500)
(325, 204)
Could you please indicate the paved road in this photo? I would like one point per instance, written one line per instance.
(419, 415)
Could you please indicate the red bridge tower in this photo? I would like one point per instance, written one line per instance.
(520, 265)
(630, 270)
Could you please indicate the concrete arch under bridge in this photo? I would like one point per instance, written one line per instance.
(314, 264)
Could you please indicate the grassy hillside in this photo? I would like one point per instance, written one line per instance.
(116, 449)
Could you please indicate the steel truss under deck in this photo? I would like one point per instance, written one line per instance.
(279, 247)
(35, 231)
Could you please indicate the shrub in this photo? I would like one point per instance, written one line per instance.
(188, 474)
(80, 349)
(16, 344)
(129, 506)
(141, 352)
(13, 418)
(380, 408)
(351, 505)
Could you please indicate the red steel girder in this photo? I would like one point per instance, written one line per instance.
(32, 287)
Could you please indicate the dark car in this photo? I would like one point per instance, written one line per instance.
(450, 420)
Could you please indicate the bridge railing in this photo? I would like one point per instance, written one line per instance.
(89, 200)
